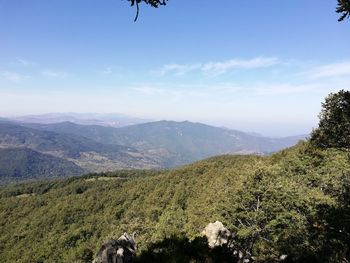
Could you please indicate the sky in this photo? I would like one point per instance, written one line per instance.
(260, 66)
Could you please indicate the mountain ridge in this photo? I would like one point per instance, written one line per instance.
(103, 119)
(182, 142)
(152, 145)
(86, 153)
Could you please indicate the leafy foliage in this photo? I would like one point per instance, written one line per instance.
(334, 126)
(344, 9)
(275, 205)
(181, 249)
(22, 163)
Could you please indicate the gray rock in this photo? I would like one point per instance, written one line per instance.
(122, 250)
(216, 234)
(283, 257)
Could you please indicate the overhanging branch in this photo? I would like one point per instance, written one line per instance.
(152, 3)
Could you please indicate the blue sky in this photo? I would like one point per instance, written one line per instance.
(262, 66)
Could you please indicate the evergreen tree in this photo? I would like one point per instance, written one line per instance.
(334, 125)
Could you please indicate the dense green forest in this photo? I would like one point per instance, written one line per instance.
(24, 163)
(294, 202)
(293, 205)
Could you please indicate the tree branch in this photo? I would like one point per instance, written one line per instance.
(152, 3)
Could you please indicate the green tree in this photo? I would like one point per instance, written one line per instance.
(272, 217)
(334, 126)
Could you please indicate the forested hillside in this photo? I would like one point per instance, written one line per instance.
(95, 148)
(22, 163)
(85, 153)
(293, 203)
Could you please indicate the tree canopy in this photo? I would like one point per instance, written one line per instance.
(293, 203)
(334, 125)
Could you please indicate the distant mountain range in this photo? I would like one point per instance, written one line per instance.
(175, 143)
(104, 119)
(161, 144)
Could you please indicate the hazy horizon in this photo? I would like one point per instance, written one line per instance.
(258, 128)
(219, 68)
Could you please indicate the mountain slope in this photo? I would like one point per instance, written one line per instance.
(176, 143)
(87, 153)
(22, 163)
(287, 202)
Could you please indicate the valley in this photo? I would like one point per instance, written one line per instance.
(153, 145)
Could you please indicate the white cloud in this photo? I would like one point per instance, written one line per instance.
(171, 92)
(149, 90)
(11, 76)
(107, 71)
(54, 74)
(226, 87)
(225, 66)
(178, 69)
(226, 90)
(280, 89)
(219, 67)
(331, 70)
(23, 62)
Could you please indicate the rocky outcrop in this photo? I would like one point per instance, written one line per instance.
(122, 250)
(216, 234)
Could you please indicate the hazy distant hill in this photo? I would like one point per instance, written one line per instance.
(107, 119)
(174, 143)
(161, 144)
(24, 163)
(87, 153)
